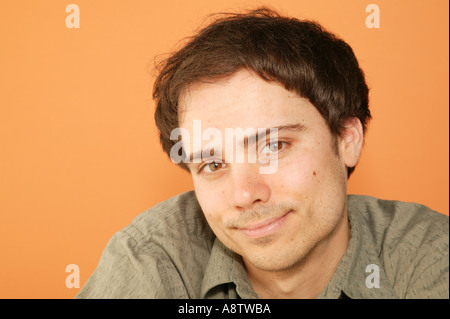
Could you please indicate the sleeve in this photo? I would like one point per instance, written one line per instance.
(124, 271)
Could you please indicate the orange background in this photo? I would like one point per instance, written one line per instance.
(79, 155)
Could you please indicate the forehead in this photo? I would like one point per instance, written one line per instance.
(243, 100)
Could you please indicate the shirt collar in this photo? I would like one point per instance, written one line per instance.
(364, 263)
(353, 276)
(225, 266)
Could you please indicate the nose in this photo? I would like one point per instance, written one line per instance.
(249, 186)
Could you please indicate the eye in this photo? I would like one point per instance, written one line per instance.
(274, 146)
(211, 167)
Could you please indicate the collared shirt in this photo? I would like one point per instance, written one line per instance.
(396, 250)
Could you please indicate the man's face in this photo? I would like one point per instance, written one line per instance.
(272, 220)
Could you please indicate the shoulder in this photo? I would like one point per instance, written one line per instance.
(160, 254)
(180, 214)
(411, 241)
(176, 229)
(395, 223)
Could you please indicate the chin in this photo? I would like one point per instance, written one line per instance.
(279, 260)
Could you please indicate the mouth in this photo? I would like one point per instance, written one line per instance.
(264, 228)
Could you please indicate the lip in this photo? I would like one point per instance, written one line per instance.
(265, 227)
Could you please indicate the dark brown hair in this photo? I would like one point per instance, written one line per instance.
(301, 55)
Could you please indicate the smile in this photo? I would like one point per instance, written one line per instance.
(265, 228)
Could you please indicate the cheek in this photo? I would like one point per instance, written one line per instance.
(312, 173)
(298, 175)
(211, 200)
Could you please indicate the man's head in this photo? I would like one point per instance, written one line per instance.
(300, 55)
(261, 70)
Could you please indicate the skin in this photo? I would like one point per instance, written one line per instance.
(291, 226)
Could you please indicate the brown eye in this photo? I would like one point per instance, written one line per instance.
(212, 167)
(274, 147)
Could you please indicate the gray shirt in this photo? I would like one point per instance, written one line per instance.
(396, 250)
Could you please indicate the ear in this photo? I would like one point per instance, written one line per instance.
(351, 141)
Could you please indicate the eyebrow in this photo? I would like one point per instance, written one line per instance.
(297, 127)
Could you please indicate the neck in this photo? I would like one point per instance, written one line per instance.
(308, 277)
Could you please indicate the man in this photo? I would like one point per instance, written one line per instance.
(296, 101)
